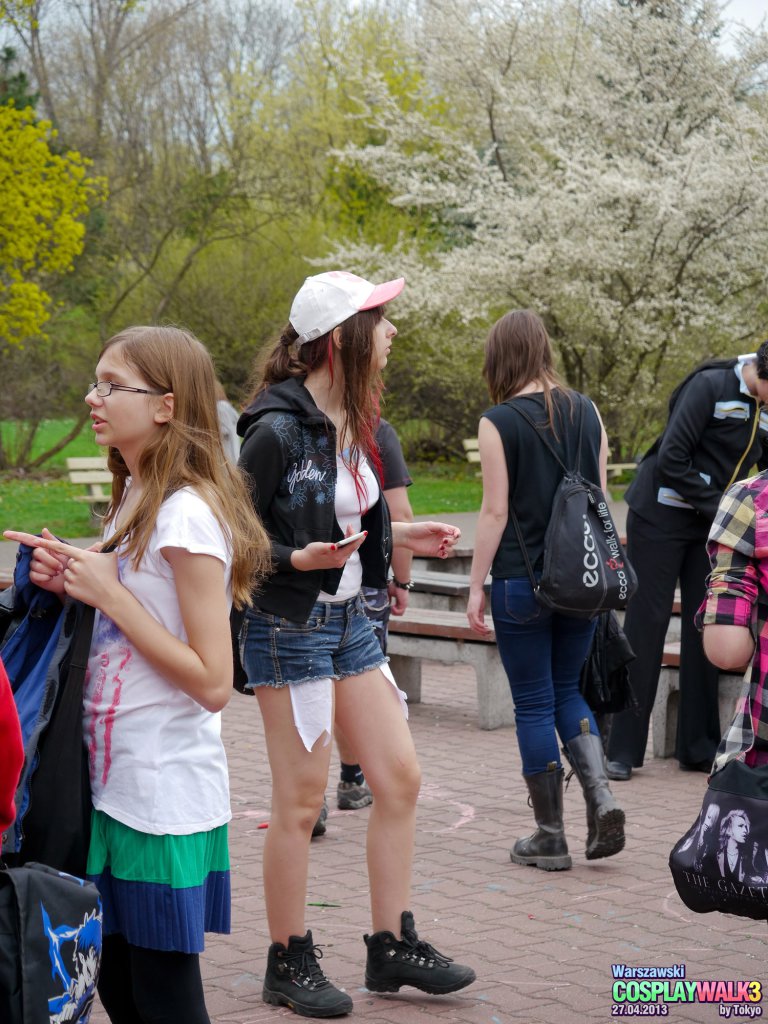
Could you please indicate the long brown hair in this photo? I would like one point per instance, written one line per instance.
(363, 383)
(518, 352)
(187, 452)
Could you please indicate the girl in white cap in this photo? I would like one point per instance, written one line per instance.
(308, 649)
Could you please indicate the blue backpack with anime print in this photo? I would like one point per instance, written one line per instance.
(45, 647)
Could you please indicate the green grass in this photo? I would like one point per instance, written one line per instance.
(47, 435)
(47, 498)
(445, 487)
(32, 504)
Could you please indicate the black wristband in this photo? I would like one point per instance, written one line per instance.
(402, 586)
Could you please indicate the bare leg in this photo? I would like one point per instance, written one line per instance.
(347, 753)
(369, 714)
(298, 785)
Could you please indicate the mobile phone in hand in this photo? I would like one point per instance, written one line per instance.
(350, 539)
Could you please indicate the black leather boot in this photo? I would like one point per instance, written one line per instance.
(546, 848)
(605, 819)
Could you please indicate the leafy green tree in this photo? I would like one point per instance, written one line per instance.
(14, 84)
(46, 196)
(45, 199)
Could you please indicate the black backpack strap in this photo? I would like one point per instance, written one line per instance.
(545, 441)
(521, 542)
(513, 514)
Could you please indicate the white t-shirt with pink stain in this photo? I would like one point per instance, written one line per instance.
(157, 761)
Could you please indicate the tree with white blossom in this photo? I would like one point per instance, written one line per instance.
(607, 165)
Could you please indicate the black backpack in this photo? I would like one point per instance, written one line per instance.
(585, 569)
(50, 946)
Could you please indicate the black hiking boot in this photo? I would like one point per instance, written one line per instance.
(295, 979)
(392, 963)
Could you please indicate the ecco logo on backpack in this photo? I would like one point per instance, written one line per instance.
(590, 577)
(585, 569)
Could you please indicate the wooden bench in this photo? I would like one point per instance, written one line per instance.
(665, 706)
(617, 468)
(92, 471)
(444, 636)
(440, 589)
(471, 449)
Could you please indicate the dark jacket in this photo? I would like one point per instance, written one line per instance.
(289, 452)
(45, 652)
(711, 435)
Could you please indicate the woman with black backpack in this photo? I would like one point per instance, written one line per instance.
(542, 650)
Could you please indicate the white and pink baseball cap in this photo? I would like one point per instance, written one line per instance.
(327, 300)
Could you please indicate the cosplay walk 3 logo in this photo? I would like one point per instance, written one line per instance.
(656, 991)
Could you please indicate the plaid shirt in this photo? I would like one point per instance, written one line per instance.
(737, 595)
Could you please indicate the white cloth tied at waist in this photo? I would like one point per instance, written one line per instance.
(312, 705)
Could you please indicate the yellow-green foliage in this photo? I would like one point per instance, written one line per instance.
(45, 198)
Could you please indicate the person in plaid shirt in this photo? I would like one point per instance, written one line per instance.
(734, 614)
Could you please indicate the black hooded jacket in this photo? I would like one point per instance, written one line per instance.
(715, 433)
(289, 453)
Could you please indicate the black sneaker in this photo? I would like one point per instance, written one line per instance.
(294, 979)
(319, 828)
(395, 962)
(352, 796)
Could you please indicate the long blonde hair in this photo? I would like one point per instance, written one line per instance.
(186, 452)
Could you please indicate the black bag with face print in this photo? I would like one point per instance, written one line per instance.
(721, 863)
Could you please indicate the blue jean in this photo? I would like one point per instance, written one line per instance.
(542, 653)
(337, 640)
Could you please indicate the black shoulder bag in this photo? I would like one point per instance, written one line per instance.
(46, 658)
(50, 946)
(721, 863)
(585, 569)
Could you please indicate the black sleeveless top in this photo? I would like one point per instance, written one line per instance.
(534, 474)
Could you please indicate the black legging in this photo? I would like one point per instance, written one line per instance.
(149, 986)
(661, 556)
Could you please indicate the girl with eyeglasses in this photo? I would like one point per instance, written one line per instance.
(187, 544)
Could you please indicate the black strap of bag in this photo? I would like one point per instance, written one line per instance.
(56, 828)
(576, 469)
(57, 825)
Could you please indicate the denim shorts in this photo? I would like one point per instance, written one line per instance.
(337, 640)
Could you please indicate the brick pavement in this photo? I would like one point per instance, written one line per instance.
(542, 943)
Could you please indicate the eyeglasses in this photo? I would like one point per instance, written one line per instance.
(104, 389)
